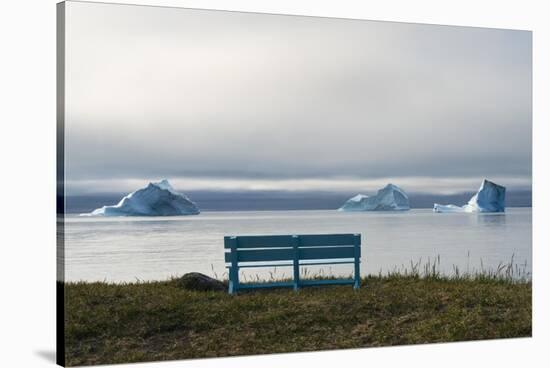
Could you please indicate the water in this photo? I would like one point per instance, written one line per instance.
(140, 248)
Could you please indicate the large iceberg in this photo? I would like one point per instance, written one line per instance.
(389, 198)
(156, 199)
(489, 198)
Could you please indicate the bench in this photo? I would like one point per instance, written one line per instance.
(291, 250)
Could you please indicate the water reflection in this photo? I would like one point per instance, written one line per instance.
(491, 219)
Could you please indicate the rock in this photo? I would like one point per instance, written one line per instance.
(200, 282)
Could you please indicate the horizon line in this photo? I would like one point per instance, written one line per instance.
(418, 185)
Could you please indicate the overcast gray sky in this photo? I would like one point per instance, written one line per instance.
(227, 100)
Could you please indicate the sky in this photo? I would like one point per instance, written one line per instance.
(216, 100)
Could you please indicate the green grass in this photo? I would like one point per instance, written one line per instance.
(145, 321)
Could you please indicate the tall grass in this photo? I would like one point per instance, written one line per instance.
(429, 268)
(510, 271)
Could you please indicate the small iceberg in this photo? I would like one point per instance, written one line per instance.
(157, 199)
(389, 198)
(489, 198)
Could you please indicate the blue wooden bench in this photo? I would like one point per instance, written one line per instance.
(291, 250)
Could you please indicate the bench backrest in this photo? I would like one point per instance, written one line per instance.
(265, 248)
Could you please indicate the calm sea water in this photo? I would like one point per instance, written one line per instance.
(141, 248)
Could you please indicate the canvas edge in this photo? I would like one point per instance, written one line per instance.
(60, 183)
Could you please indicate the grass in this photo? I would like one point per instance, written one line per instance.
(146, 321)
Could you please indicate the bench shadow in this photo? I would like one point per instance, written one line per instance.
(48, 355)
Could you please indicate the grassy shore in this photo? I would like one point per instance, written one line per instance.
(116, 323)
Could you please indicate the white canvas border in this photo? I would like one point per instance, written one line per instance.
(28, 172)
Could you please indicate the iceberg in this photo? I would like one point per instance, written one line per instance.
(389, 198)
(356, 203)
(156, 199)
(489, 198)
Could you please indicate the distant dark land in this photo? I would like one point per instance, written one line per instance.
(284, 200)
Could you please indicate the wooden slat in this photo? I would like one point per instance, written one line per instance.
(287, 254)
(328, 240)
(283, 241)
(279, 284)
(321, 263)
(327, 282)
(263, 241)
(261, 285)
(326, 252)
(260, 265)
(274, 265)
(262, 255)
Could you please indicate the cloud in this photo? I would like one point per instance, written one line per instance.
(157, 92)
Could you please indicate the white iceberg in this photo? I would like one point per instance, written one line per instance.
(489, 198)
(157, 199)
(389, 198)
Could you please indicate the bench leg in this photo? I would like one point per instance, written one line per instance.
(233, 280)
(357, 273)
(296, 262)
(296, 278)
(357, 276)
(234, 270)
